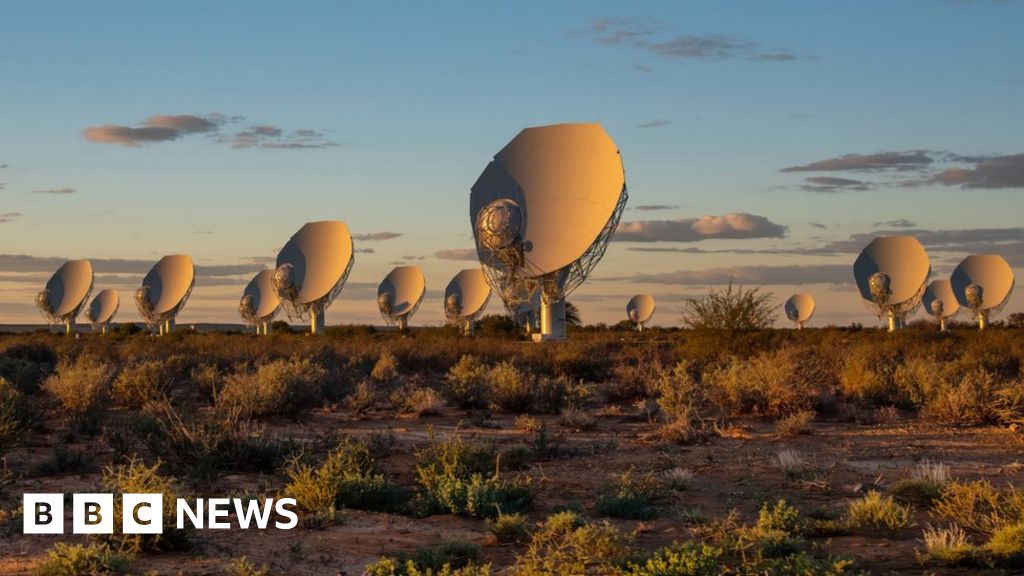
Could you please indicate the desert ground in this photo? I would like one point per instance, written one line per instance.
(823, 451)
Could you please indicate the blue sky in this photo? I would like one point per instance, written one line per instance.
(408, 102)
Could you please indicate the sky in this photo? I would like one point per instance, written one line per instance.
(763, 143)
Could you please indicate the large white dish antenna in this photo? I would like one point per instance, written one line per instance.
(466, 297)
(66, 292)
(165, 291)
(312, 269)
(799, 308)
(103, 308)
(400, 294)
(640, 309)
(940, 302)
(982, 283)
(891, 273)
(543, 212)
(260, 302)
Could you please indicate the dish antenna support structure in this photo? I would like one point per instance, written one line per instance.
(65, 293)
(940, 302)
(312, 269)
(165, 291)
(465, 299)
(640, 309)
(260, 302)
(891, 272)
(103, 308)
(799, 308)
(400, 295)
(543, 212)
(982, 283)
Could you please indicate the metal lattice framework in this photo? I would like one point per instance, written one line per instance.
(516, 280)
(93, 321)
(975, 298)
(48, 312)
(296, 310)
(384, 303)
(145, 304)
(453, 312)
(247, 311)
(879, 304)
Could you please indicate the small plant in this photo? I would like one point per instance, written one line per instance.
(460, 480)
(385, 370)
(796, 423)
(81, 388)
(629, 495)
(419, 401)
(577, 419)
(528, 423)
(949, 545)
(689, 559)
(347, 478)
(878, 511)
(82, 560)
(924, 484)
(243, 567)
(134, 477)
(730, 309)
(678, 478)
(1006, 545)
(791, 462)
(362, 399)
(508, 528)
(565, 544)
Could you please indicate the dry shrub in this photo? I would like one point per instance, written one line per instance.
(980, 507)
(509, 388)
(796, 423)
(969, 401)
(577, 419)
(135, 477)
(385, 370)
(877, 511)
(143, 382)
(768, 384)
(466, 381)
(276, 387)
(566, 544)
(417, 401)
(82, 388)
(867, 375)
(362, 399)
(15, 415)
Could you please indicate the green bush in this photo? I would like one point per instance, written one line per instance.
(509, 388)
(567, 545)
(347, 478)
(629, 495)
(243, 567)
(687, 559)
(980, 507)
(82, 560)
(276, 387)
(878, 511)
(455, 481)
(509, 528)
(1006, 545)
(466, 382)
(135, 477)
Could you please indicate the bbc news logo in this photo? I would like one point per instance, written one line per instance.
(144, 513)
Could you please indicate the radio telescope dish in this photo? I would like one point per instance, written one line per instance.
(982, 283)
(103, 308)
(65, 293)
(400, 294)
(312, 269)
(466, 297)
(799, 309)
(640, 309)
(940, 301)
(260, 302)
(891, 273)
(543, 212)
(165, 291)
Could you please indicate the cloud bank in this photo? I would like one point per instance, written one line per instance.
(740, 225)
